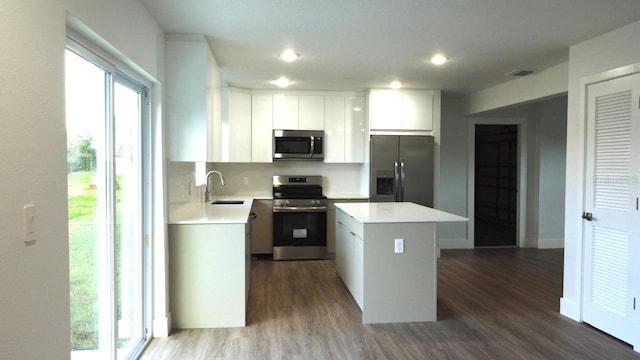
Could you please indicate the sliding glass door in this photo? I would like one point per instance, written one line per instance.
(108, 211)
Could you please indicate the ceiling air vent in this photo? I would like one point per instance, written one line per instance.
(519, 73)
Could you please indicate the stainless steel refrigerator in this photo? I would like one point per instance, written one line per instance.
(401, 169)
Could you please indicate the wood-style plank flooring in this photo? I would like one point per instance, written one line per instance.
(492, 304)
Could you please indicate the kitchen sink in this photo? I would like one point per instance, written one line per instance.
(228, 202)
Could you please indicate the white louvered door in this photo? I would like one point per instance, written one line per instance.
(612, 235)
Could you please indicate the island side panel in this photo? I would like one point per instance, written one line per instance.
(399, 287)
(207, 275)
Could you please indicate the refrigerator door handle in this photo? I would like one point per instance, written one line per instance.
(396, 180)
(402, 176)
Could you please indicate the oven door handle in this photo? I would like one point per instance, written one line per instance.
(300, 209)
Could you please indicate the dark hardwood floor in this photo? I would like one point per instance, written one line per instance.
(492, 304)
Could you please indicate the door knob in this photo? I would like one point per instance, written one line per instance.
(587, 216)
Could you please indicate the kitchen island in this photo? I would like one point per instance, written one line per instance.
(386, 257)
(209, 263)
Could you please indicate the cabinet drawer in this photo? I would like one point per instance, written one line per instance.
(350, 223)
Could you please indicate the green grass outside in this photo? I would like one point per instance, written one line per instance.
(83, 260)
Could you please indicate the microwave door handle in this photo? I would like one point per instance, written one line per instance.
(312, 147)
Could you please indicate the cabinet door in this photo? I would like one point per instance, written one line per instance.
(311, 111)
(262, 227)
(239, 124)
(247, 260)
(334, 130)
(261, 122)
(342, 238)
(187, 100)
(385, 109)
(358, 270)
(285, 112)
(417, 110)
(354, 129)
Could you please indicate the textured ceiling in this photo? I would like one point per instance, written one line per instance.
(357, 45)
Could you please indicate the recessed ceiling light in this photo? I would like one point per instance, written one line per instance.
(438, 59)
(282, 82)
(356, 109)
(395, 85)
(289, 55)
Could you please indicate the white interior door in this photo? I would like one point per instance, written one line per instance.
(612, 220)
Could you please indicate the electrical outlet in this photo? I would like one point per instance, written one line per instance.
(246, 180)
(399, 246)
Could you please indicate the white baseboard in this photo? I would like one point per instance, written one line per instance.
(454, 244)
(162, 327)
(550, 243)
(570, 309)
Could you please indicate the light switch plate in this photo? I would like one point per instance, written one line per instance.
(399, 246)
(29, 223)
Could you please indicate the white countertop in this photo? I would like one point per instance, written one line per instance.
(205, 213)
(396, 212)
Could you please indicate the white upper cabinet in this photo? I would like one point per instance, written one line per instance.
(334, 111)
(261, 131)
(236, 125)
(192, 73)
(311, 110)
(401, 109)
(354, 129)
(417, 110)
(285, 112)
(384, 109)
(344, 129)
(293, 112)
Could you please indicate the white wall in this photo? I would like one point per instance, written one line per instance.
(546, 139)
(543, 84)
(606, 52)
(34, 278)
(453, 173)
(546, 133)
(125, 28)
(552, 140)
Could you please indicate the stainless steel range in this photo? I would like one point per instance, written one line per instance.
(299, 218)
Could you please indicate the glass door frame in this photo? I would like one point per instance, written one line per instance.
(116, 72)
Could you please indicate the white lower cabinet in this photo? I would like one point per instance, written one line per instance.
(209, 275)
(358, 270)
(349, 256)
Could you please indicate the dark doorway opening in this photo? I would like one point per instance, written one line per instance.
(496, 185)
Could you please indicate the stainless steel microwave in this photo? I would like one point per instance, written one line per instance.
(298, 145)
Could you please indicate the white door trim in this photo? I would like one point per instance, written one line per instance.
(522, 176)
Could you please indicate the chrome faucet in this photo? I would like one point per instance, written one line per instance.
(207, 191)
